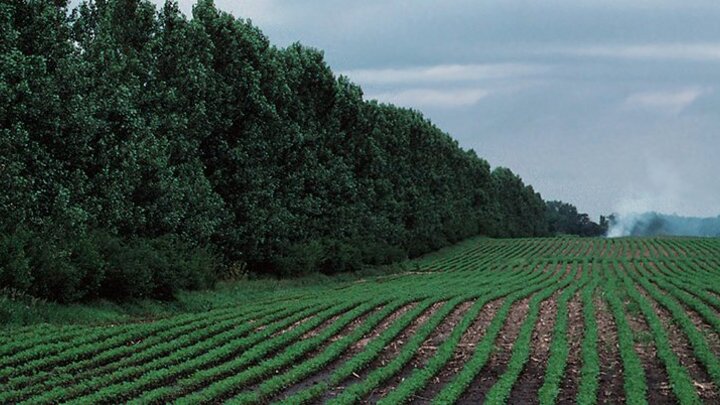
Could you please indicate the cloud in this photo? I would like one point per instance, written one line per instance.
(431, 97)
(630, 5)
(700, 52)
(261, 12)
(444, 73)
(664, 101)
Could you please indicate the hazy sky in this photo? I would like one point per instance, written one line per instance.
(610, 105)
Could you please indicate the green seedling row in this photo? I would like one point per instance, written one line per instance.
(353, 340)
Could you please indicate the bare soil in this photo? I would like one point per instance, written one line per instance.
(714, 294)
(426, 350)
(658, 383)
(316, 330)
(343, 332)
(356, 348)
(610, 388)
(569, 385)
(683, 350)
(390, 352)
(528, 384)
(497, 363)
(712, 337)
(462, 354)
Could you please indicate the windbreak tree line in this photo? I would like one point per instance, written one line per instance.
(142, 152)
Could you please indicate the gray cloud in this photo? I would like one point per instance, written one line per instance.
(657, 51)
(444, 73)
(422, 97)
(674, 101)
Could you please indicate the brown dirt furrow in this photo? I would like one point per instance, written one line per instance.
(679, 251)
(261, 328)
(344, 332)
(579, 273)
(462, 354)
(617, 251)
(683, 350)
(658, 383)
(603, 250)
(360, 344)
(713, 294)
(426, 350)
(497, 363)
(569, 385)
(712, 337)
(661, 251)
(389, 352)
(712, 305)
(565, 269)
(353, 350)
(316, 330)
(610, 387)
(645, 250)
(271, 354)
(531, 379)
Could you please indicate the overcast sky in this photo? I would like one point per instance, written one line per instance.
(609, 105)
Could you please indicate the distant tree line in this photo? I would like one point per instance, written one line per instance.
(142, 152)
(563, 219)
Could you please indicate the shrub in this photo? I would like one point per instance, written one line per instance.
(155, 267)
(55, 276)
(67, 268)
(340, 256)
(14, 262)
(301, 258)
(332, 256)
(378, 253)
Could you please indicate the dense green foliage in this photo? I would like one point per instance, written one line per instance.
(129, 135)
(442, 333)
(563, 219)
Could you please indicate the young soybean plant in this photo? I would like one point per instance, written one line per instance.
(559, 347)
(500, 392)
(590, 371)
(634, 375)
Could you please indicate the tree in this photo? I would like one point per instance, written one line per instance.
(564, 219)
(142, 151)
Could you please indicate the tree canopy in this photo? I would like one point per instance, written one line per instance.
(563, 219)
(145, 151)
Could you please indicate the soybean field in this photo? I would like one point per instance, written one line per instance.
(527, 321)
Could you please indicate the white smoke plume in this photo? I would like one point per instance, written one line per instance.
(654, 224)
(652, 209)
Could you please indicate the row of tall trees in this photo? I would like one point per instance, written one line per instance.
(143, 151)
